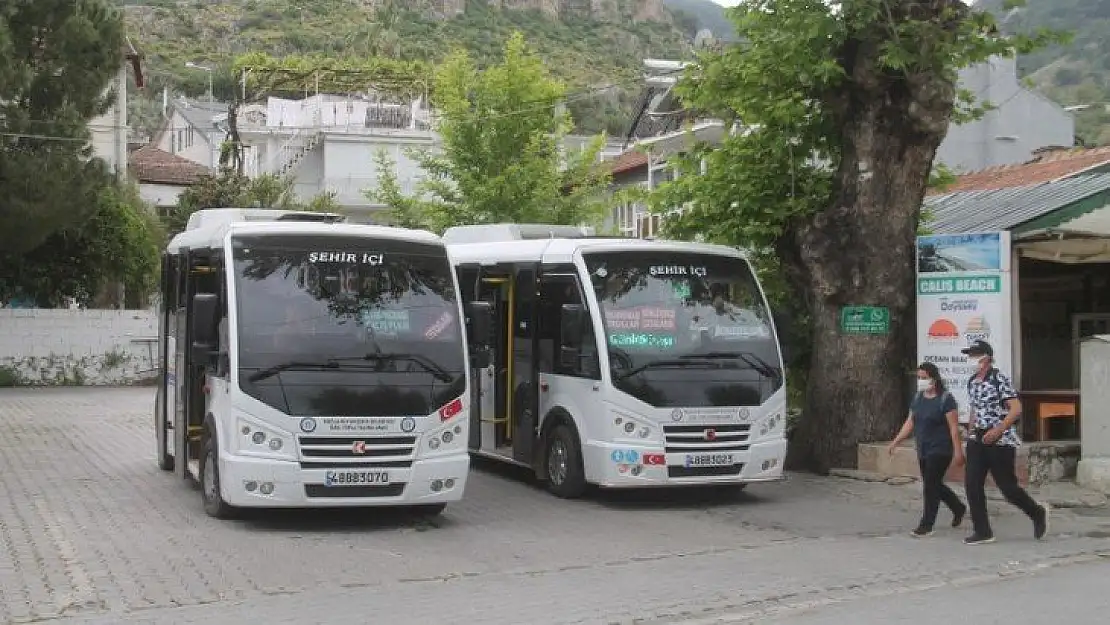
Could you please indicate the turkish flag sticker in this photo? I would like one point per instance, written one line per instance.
(655, 460)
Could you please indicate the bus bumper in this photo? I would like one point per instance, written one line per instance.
(762, 462)
(427, 481)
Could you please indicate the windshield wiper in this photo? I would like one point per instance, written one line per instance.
(262, 374)
(426, 363)
(752, 360)
(664, 364)
(336, 363)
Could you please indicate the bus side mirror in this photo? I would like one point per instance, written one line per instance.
(480, 321)
(571, 317)
(205, 306)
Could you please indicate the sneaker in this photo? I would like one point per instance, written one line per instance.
(1040, 524)
(958, 517)
(976, 539)
(922, 531)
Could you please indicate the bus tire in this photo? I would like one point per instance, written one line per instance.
(562, 463)
(214, 504)
(165, 460)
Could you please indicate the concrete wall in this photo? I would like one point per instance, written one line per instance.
(1094, 467)
(1022, 122)
(76, 347)
(160, 194)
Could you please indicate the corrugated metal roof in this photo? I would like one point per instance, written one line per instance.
(1005, 209)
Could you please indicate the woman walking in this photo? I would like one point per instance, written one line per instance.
(933, 421)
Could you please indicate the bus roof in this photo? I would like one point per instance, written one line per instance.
(208, 228)
(562, 250)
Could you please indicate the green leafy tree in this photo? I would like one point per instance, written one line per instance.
(838, 110)
(119, 243)
(501, 158)
(57, 59)
(231, 189)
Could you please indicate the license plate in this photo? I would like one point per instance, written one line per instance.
(709, 460)
(355, 478)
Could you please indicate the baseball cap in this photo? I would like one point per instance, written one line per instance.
(978, 348)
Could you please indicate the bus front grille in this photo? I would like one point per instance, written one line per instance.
(731, 437)
(317, 491)
(320, 452)
(680, 471)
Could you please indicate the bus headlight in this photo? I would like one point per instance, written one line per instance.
(772, 424)
(448, 439)
(256, 439)
(628, 427)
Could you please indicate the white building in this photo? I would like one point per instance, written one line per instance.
(327, 144)
(108, 133)
(162, 176)
(193, 129)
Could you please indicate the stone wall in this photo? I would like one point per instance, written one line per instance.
(77, 347)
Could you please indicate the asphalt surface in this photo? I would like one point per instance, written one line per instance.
(92, 532)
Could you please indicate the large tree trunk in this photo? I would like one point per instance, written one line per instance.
(860, 252)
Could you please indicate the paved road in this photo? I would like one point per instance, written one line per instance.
(1054, 594)
(91, 532)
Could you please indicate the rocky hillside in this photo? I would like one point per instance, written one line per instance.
(588, 43)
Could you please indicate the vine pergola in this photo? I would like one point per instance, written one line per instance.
(263, 76)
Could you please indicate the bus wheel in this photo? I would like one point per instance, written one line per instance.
(563, 464)
(165, 460)
(214, 503)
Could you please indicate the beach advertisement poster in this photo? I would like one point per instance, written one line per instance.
(963, 295)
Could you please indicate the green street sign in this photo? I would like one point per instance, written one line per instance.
(864, 320)
(960, 285)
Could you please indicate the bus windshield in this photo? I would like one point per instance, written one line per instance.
(685, 329)
(346, 326)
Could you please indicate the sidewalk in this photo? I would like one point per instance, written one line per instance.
(1057, 494)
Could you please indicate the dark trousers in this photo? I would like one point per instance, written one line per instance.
(998, 460)
(933, 468)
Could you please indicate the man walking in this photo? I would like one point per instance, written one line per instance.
(992, 446)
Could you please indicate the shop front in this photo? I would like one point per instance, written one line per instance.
(1028, 270)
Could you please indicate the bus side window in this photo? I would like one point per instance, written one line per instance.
(554, 294)
(223, 358)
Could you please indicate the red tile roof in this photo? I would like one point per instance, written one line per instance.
(1045, 167)
(627, 162)
(154, 166)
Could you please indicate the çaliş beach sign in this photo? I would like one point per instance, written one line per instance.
(963, 295)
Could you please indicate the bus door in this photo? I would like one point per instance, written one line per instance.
(166, 402)
(469, 276)
(506, 404)
(202, 278)
(524, 396)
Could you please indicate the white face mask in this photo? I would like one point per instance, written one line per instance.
(924, 385)
(977, 360)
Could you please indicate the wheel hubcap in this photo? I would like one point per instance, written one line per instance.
(557, 462)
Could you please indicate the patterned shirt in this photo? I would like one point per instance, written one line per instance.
(988, 402)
